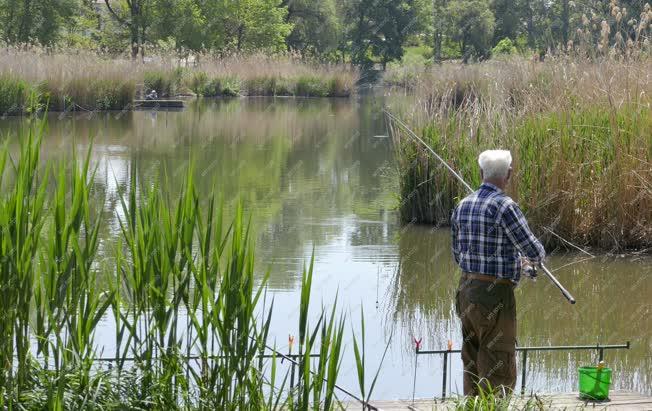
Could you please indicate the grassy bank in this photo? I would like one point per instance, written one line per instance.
(29, 79)
(579, 132)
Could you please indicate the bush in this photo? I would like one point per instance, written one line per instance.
(87, 94)
(13, 95)
(230, 87)
(504, 47)
(337, 87)
(221, 87)
(311, 86)
(163, 83)
(113, 95)
(197, 82)
(261, 86)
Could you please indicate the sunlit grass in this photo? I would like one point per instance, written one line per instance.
(579, 133)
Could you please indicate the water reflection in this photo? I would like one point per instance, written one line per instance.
(318, 174)
(613, 307)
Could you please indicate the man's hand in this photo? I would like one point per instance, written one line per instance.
(528, 269)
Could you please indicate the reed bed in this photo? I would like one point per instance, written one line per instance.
(83, 81)
(580, 136)
(179, 296)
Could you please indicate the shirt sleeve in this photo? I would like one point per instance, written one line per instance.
(454, 241)
(516, 228)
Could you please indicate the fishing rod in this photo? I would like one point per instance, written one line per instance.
(547, 272)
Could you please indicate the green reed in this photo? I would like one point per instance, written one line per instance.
(579, 133)
(180, 289)
(490, 399)
(22, 217)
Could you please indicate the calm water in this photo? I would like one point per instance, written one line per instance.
(318, 175)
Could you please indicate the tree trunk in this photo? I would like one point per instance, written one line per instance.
(530, 23)
(565, 21)
(240, 37)
(358, 47)
(141, 42)
(26, 23)
(438, 30)
(134, 43)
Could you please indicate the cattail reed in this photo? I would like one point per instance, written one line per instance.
(180, 297)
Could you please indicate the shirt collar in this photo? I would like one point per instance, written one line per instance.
(491, 187)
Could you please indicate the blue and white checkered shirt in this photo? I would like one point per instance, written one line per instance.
(490, 234)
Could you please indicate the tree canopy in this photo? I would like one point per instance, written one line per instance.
(363, 32)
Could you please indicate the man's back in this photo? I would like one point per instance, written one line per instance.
(490, 234)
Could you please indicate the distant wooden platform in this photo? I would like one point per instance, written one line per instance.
(618, 400)
(159, 103)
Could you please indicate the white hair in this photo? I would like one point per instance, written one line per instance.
(495, 163)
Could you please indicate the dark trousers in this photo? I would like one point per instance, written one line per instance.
(488, 314)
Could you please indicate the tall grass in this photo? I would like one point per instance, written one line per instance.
(80, 81)
(179, 296)
(579, 133)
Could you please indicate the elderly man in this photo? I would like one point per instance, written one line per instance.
(491, 242)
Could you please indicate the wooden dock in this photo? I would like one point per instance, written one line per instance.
(618, 401)
(159, 104)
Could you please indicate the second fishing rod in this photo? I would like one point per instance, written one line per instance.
(397, 121)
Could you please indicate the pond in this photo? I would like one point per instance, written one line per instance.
(317, 175)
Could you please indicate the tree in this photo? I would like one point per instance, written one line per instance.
(472, 25)
(34, 21)
(316, 26)
(246, 25)
(135, 16)
(378, 29)
(181, 22)
(508, 20)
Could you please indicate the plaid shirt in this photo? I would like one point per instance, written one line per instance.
(490, 235)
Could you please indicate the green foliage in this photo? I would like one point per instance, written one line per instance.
(18, 96)
(165, 83)
(316, 27)
(221, 87)
(34, 22)
(584, 153)
(504, 47)
(473, 24)
(489, 398)
(197, 82)
(268, 86)
(176, 258)
(507, 15)
(302, 86)
(246, 25)
(384, 41)
(311, 86)
(181, 22)
(13, 94)
(364, 32)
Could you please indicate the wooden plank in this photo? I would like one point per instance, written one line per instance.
(619, 400)
(159, 103)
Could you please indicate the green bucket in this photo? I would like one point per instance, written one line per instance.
(595, 383)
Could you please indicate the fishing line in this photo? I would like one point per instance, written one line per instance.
(568, 242)
(546, 271)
